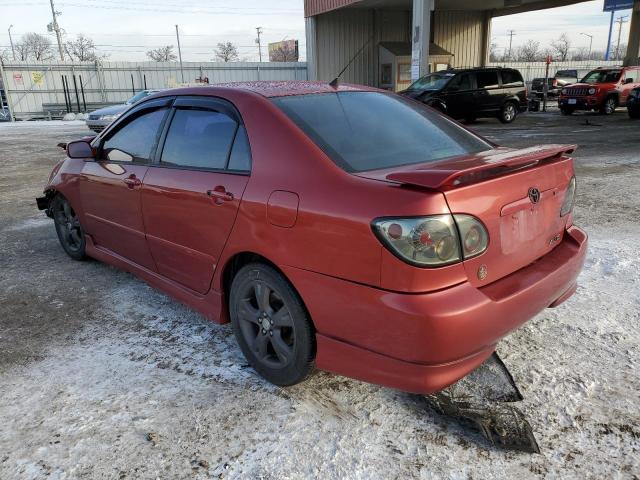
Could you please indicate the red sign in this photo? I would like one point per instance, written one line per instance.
(17, 78)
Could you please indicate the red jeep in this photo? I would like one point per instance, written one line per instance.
(602, 89)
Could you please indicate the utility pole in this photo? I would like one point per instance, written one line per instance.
(620, 21)
(179, 53)
(259, 30)
(56, 28)
(511, 34)
(590, 43)
(13, 52)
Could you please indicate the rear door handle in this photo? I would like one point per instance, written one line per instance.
(220, 194)
(132, 181)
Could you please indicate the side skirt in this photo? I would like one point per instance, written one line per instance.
(209, 305)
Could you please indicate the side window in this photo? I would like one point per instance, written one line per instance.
(199, 138)
(240, 158)
(632, 74)
(461, 82)
(136, 139)
(487, 79)
(511, 78)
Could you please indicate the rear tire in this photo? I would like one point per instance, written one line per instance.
(68, 228)
(271, 325)
(508, 112)
(609, 106)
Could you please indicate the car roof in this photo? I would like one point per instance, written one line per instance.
(280, 88)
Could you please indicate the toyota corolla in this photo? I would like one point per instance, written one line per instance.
(338, 227)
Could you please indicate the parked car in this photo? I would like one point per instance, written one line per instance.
(633, 103)
(472, 93)
(99, 119)
(562, 78)
(396, 252)
(602, 89)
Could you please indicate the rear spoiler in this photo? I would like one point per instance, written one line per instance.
(476, 168)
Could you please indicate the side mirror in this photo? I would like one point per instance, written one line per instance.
(628, 80)
(80, 149)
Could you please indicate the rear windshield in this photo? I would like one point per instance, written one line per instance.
(602, 76)
(371, 130)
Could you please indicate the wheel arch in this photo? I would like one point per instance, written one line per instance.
(239, 260)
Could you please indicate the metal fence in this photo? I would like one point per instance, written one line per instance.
(531, 70)
(36, 90)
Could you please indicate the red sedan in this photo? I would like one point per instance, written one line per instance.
(347, 228)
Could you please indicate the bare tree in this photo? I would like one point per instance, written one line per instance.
(226, 52)
(81, 49)
(285, 52)
(618, 52)
(561, 47)
(162, 54)
(529, 51)
(5, 54)
(33, 46)
(494, 56)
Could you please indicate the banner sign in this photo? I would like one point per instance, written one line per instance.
(613, 5)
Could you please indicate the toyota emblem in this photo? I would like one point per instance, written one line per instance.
(534, 195)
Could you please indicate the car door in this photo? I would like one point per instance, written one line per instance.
(488, 95)
(191, 193)
(110, 186)
(459, 96)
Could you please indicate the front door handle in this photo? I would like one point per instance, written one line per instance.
(220, 195)
(132, 181)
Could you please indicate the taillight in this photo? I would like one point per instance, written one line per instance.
(432, 241)
(473, 236)
(569, 197)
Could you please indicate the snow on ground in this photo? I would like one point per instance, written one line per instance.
(102, 376)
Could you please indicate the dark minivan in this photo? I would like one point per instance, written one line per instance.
(472, 93)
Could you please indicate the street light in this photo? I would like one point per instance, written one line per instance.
(590, 43)
(13, 52)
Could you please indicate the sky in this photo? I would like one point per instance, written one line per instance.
(126, 29)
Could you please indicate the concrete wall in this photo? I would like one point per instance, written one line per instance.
(338, 35)
(31, 85)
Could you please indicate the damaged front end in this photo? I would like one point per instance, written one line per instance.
(486, 397)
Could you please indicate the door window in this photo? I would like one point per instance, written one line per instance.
(199, 139)
(460, 82)
(136, 140)
(487, 79)
(240, 158)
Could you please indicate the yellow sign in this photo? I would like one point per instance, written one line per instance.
(37, 78)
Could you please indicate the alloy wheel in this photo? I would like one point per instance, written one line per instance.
(509, 112)
(266, 324)
(68, 225)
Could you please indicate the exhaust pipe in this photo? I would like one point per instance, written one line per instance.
(486, 397)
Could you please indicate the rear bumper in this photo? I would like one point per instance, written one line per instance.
(423, 342)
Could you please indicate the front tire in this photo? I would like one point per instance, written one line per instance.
(508, 112)
(271, 325)
(609, 106)
(68, 228)
(566, 110)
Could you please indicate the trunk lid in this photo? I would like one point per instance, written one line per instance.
(494, 186)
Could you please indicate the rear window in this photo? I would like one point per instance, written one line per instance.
(511, 78)
(566, 74)
(371, 130)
